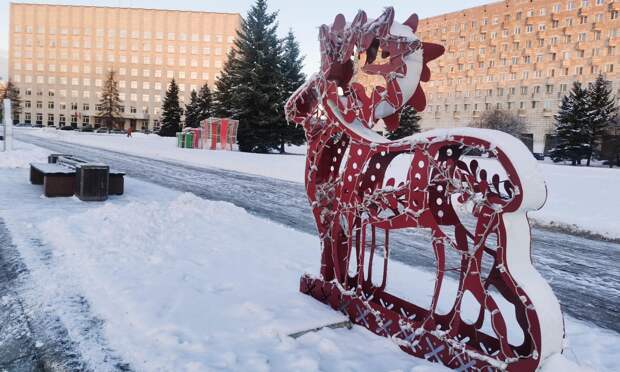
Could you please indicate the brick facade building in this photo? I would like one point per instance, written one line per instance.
(519, 55)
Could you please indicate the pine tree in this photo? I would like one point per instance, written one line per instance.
(205, 103)
(11, 92)
(224, 94)
(192, 114)
(408, 124)
(171, 112)
(571, 127)
(110, 103)
(293, 78)
(601, 112)
(249, 88)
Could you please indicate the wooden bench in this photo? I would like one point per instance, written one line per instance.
(67, 175)
(57, 180)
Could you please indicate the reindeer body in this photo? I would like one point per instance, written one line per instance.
(356, 207)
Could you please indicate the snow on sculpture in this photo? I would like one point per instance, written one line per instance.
(503, 315)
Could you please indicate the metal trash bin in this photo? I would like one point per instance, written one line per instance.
(92, 182)
(180, 139)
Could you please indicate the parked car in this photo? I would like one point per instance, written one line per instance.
(86, 128)
(539, 156)
(38, 126)
(66, 127)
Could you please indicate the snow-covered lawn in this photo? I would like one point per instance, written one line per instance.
(578, 197)
(185, 284)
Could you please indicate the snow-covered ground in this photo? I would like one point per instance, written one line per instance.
(577, 199)
(181, 283)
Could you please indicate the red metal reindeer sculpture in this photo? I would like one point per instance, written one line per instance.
(470, 213)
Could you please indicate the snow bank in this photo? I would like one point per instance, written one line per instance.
(576, 199)
(189, 284)
(22, 155)
(192, 284)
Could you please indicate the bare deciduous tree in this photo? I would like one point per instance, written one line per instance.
(501, 120)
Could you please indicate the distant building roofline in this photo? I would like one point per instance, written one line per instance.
(121, 7)
(491, 4)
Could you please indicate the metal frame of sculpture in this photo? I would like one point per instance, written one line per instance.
(356, 206)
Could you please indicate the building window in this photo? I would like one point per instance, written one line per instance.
(50, 120)
(39, 119)
(85, 107)
(50, 105)
(27, 118)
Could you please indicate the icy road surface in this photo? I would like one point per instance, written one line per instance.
(584, 273)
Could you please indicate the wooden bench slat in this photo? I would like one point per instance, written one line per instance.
(47, 168)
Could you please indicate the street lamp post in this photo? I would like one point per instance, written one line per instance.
(8, 126)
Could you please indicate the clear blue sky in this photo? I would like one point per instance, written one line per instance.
(303, 17)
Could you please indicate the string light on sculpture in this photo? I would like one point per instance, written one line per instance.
(371, 70)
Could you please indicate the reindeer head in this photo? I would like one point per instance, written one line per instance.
(380, 63)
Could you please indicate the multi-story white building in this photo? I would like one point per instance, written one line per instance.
(60, 55)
